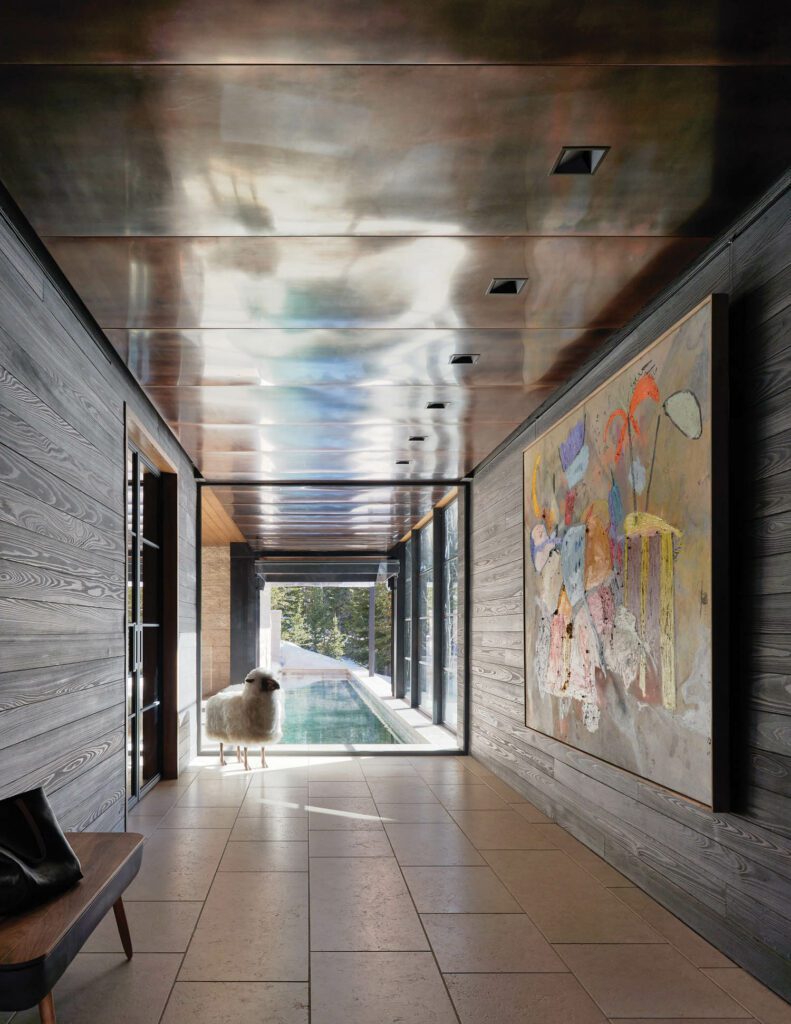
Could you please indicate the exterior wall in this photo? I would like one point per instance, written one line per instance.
(727, 875)
(63, 547)
(215, 619)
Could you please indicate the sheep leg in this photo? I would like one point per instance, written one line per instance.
(246, 765)
(263, 757)
(222, 759)
(238, 753)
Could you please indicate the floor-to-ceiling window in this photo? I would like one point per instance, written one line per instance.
(450, 614)
(407, 607)
(425, 583)
(144, 625)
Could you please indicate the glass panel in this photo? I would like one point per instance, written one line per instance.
(149, 504)
(150, 682)
(130, 758)
(450, 614)
(426, 546)
(426, 639)
(149, 746)
(150, 594)
(130, 492)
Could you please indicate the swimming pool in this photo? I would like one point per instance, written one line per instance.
(331, 711)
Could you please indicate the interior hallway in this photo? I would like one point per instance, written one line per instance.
(421, 890)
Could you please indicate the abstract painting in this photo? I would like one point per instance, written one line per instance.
(618, 567)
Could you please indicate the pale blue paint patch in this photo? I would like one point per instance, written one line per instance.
(637, 476)
(572, 561)
(570, 448)
(576, 471)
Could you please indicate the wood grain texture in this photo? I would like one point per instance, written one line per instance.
(63, 549)
(728, 875)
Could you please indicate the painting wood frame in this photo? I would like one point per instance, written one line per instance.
(557, 702)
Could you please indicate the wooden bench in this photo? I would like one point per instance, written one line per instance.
(36, 947)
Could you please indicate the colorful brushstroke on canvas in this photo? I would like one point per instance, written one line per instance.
(618, 519)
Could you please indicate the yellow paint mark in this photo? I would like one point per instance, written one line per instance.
(644, 524)
(645, 561)
(536, 506)
(667, 626)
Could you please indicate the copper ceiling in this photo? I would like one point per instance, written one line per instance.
(285, 215)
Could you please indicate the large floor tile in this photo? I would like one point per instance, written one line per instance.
(401, 791)
(265, 856)
(378, 772)
(200, 817)
(338, 787)
(343, 812)
(368, 843)
(279, 778)
(583, 856)
(233, 1002)
(413, 813)
(530, 812)
(254, 927)
(361, 904)
(378, 988)
(109, 988)
(647, 981)
(178, 864)
(473, 797)
(501, 830)
(694, 948)
(156, 927)
(430, 844)
(144, 825)
(157, 802)
(275, 803)
(518, 998)
(479, 943)
(222, 793)
(751, 994)
(278, 830)
(459, 890)
(565, 901)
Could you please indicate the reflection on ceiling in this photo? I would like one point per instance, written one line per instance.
(286, 215)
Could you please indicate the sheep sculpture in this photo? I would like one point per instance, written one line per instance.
(248, 717)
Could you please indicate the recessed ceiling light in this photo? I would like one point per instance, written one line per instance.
(506, 285)
(579, 159)
(464, 358)
(402, 462)
(436, 405)
(418, 437)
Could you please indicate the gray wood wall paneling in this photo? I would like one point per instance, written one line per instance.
(62, 548)
(727, 875)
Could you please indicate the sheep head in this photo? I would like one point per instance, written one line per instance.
(262, 680)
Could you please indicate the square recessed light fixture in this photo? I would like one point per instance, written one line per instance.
(579, 159)
(464, 358)
(418, 437)
(436, 405)
(506, 285)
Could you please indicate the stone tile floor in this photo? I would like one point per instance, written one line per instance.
(383, 890)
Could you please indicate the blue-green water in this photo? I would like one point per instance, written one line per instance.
(330, 711)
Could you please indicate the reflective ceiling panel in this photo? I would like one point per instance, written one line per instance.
(286, 214)
(393, 31)
(326, 518)
(359, 151)
(363, 282)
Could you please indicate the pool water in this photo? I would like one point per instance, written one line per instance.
(331, 711)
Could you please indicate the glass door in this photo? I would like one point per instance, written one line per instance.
(144, 626)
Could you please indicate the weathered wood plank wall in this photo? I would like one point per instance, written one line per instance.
(727, 875)
(62, 549)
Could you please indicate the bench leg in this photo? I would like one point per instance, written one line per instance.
(123, 929)
(46, 1010)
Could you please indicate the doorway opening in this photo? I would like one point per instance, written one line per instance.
(367, 645)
